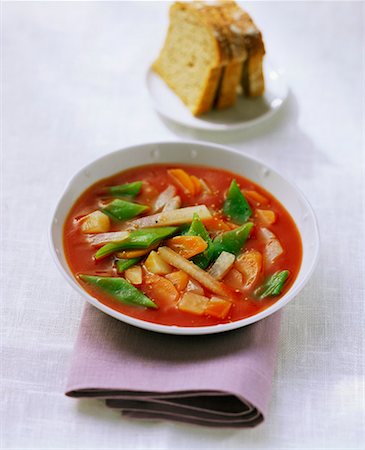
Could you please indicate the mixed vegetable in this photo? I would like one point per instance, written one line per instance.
(174, 250)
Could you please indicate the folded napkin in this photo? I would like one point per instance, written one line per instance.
(219, 380)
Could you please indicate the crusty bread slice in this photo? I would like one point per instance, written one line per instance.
(252, 80)
(242, 32)
(192, 57)
(244, 28)
(232, 72)
(211, 48)
(230, 79)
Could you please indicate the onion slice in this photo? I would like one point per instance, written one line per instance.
(172, 204)
(174, 217)
(164, 197)
(273, 248)
(105, 238)
(222, 265)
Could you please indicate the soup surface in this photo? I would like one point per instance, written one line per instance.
(182, 245)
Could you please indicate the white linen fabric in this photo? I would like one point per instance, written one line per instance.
(73, 89)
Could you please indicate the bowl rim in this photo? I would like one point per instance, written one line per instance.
(174, 329)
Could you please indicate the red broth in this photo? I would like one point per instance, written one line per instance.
(80, 254)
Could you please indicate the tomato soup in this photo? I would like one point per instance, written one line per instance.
(182, 245)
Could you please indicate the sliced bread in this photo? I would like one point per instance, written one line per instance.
(211, 49)
(192, 57)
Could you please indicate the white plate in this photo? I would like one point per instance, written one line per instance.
(245, 113)
(199, 153)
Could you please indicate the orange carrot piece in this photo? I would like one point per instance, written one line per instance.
(187, 246)
(255, 197)
(250, 265)
(159, 289)
(216, 224)
(197, 184)
(266, 216)
(179, 279)
(234, 280)
(218, 307)
(183, 179)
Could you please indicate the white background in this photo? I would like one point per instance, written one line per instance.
(73, 87)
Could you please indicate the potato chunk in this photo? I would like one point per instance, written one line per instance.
(95, 222)
(155, 264)
(134, 275)
(193, 303)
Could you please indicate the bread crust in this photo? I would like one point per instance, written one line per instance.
(211, 19)
(227, 95)
(238, 54)
(252, 81)
(243, 32)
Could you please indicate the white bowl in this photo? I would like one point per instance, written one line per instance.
(198, 153)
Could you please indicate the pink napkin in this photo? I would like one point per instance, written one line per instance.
(220, 380)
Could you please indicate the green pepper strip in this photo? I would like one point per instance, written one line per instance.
(235, 206)
(232, 241)
(197, 228)
(129, 189)
(273, 285)
(124, 264)
(139, 239)
(119, 289)
(122, 210)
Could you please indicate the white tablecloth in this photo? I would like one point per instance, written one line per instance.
(73, 85)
